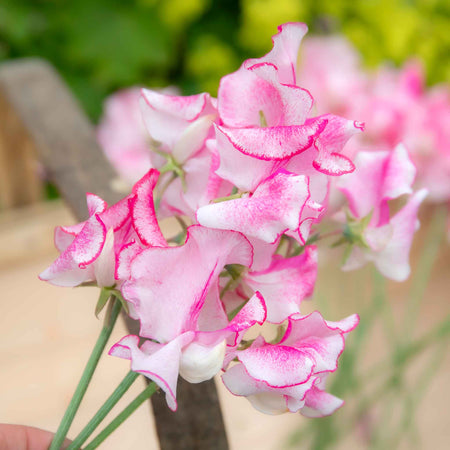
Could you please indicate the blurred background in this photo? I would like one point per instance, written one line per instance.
(104, 45)
(394, 375)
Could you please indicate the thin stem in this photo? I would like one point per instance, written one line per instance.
(103, 411)
(229, 197)
(429, 255)
(163, 189)
(85, 377)
(141, 398)
(442, 330)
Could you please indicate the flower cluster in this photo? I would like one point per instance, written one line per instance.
(248, 177)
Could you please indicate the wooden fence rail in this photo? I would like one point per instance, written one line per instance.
(40, 120)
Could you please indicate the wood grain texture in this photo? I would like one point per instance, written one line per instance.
(20, 183)
(49, 119)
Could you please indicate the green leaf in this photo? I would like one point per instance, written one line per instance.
(105, 295)
(119, 296)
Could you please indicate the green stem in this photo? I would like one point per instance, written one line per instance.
(85, 378)
(408, 352)
(230, 197)
(429, 255)
(103, 411)
(141, 398)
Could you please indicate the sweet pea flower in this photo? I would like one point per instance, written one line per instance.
(89, 250)
(288, 376)
(285, 283)
(330, 68)
(277, 113)
(123, 137)
(197, 355)
(383, 239)
(182, 276)
(274, 208)
(179, 127)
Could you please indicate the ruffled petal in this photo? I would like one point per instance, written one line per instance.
(319, 403)
(280, 143)
(168, 286)
(284, 54)
(393, 260)
(143, 211)
(167, 117)
(268, 102)
(274, 208)
(322, 341)
(286, 283)
(277, 365)
(72, 267)
(331, 142)
(158, 362)
(382, 176)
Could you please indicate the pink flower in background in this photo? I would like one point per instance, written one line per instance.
(330, 68)
(432, 154)
(123, 137)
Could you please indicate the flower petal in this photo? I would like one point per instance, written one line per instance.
(285, 283)
(280, 142)
(393, 260)
(158, 362)
(284, 54)
(277, 365)
(275, 207)
(167, 116)
(168, 285)
(319, 403)
(72, 267)
(322, 341)
(382, 176)
(143, 211)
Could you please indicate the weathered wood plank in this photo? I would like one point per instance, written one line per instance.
(47, 116)
(20, 183)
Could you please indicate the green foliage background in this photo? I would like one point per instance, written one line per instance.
(100, 46)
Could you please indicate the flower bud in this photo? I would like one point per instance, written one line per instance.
(199, 363)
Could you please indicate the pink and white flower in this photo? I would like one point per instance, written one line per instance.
(275, 207)
(285, 283)
(196, 355)
(89, 250)
(385, 240)
(288, 376)
(123, 137)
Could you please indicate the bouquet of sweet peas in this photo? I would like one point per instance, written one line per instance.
(250, 177)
